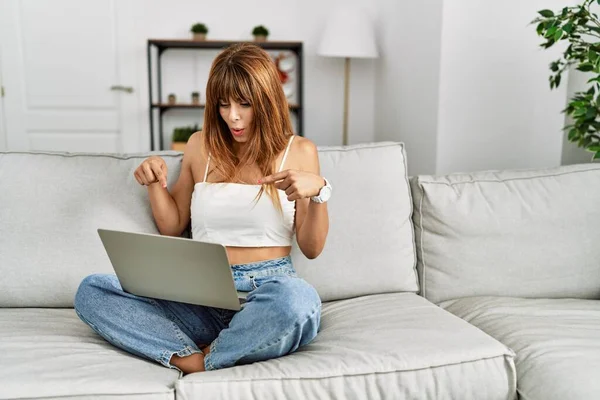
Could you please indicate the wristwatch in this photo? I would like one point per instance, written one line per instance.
(324, 193)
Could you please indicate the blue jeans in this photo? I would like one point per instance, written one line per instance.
(282, 312)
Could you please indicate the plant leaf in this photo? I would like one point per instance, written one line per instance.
(579, 112)
(572, 134)
(595, 79)
(597, 155)
(540, 28)
(546, 13)
(568, 27)
(558, 34)
(551, 31)
(591, 113)
(585, 67)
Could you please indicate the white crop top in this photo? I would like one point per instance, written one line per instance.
(229, 214)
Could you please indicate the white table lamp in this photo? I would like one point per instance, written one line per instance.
(349, 34)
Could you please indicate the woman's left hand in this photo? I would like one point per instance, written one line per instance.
(296, 184)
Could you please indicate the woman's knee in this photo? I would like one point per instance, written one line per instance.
(297, 300)
(92, 290)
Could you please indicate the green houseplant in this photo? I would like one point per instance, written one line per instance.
(260, 33)
(580, 27)
(181, 135)
(199, 31)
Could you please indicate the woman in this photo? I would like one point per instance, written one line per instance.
(248, 183)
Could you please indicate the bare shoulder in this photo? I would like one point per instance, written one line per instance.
(195, 143)
(304, 148)
(194, 148)
(194, 155)
(304, 154)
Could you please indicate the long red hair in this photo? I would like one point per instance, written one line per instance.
(246, 73)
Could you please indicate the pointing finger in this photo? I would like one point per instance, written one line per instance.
(283, 184)
(160, 175)
(274, 177)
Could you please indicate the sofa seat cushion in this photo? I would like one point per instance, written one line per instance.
(395, 345)
(557, 342)
(50, 353)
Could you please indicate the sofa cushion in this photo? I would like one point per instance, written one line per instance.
(50, 353)
(395, 345)
(370, 247)
(557, 342)
(49, 243)
(51, 206)
(528, 233)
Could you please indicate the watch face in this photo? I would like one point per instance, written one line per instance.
(325, 193)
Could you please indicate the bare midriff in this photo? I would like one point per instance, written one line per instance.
(245, 255)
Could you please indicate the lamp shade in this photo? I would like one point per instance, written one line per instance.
(348, 33)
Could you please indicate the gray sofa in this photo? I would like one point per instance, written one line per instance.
(467, 286)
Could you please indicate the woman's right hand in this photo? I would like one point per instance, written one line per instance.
(152, 170)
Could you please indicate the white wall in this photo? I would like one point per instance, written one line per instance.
(465, 85)
(496, 109)
(297, 20)
(186, 71)
(408, 78)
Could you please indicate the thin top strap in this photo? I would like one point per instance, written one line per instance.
(287, 149)
(206, 172)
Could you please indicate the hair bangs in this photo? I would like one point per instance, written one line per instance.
(233, 84)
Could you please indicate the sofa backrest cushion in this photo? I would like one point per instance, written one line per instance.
(51, 206)
(525, 233)
(370, 246)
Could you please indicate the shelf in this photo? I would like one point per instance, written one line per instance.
(156, 50)
(163, 44)
(165, 106)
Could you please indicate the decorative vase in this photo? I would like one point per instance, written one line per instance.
(195, 99)
(199, 36)
(172, 99)
(260, 38)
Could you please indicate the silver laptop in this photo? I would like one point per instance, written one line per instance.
(172, 268)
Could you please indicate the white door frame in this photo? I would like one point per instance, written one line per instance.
(125, 14)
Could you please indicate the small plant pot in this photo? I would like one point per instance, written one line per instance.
(172, 99)
(199, 36)
(195, 99)
(260, 38)
(178, 146)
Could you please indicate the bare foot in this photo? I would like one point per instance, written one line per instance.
(189, 364)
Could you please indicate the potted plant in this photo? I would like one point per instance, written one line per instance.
(181, 135)
(172, 99)
(195, 97)
(199, 31)
(579, 27)
(260, 33)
